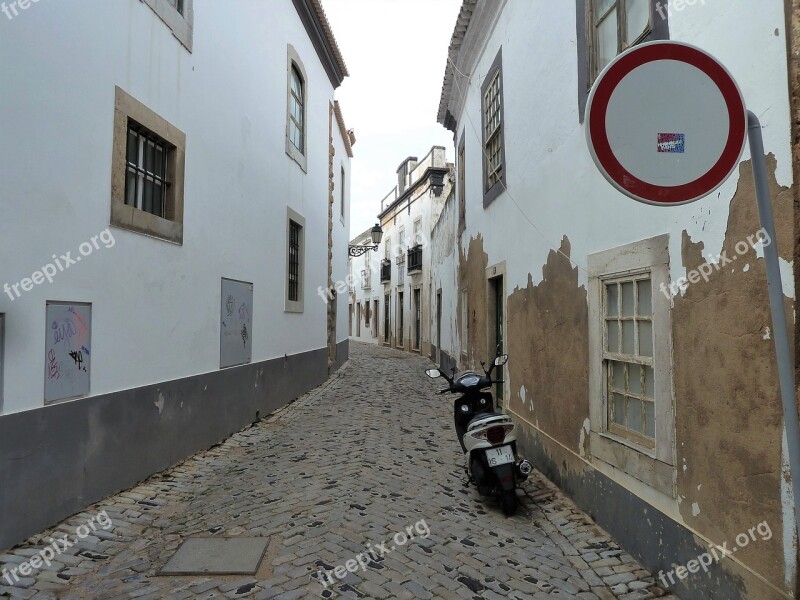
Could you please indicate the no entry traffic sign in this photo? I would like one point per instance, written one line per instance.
(666, 123)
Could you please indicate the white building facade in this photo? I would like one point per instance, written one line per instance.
(408, 214)
(633, 400)
(364, 289)
(179, 178)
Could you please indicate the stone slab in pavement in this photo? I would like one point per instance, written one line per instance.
(217, 556)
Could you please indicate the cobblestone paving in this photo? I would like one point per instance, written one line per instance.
(368, 455)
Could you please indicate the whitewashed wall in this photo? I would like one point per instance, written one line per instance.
(156, 305)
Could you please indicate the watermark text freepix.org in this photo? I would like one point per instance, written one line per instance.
(705, 270)
(59, 264)
(715, 554)
(10, 9)
(56, 547)
(665, 9)
(378, 551)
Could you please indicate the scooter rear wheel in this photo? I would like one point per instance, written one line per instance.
(508, 499)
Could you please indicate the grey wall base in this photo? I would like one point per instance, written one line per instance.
(342, 353)
(654, 539)
(57, 460)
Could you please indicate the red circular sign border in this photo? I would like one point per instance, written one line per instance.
(601, 96)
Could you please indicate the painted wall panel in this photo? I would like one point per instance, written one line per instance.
(68, 350)
(236, 323)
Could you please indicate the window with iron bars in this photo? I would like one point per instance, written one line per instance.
(146, 171)
(295, 231)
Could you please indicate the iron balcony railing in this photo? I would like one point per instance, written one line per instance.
(386, 271)
(415, 259)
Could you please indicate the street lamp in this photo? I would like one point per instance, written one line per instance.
(377, 235)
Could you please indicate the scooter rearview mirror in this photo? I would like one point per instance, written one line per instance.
(433, 373)
(501, 360)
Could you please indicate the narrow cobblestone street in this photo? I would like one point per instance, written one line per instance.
(369, 454)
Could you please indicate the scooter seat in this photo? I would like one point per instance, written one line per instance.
(482, 416)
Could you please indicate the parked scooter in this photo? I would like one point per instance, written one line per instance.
(487, 437)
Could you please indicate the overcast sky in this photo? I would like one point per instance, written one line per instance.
(395, 51)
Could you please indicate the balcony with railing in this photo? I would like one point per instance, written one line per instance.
(415, 259)
(386, 271)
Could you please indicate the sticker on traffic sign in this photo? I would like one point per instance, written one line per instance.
(666, 123)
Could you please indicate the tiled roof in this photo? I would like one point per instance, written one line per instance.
(462, 24)
(346, 135)
(326, 26)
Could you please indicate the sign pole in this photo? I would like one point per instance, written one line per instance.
(779, 324)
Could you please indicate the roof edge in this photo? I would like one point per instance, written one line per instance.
(319, 30)
(459, 32)
(348, 137)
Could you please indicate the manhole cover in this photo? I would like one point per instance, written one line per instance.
(217, 556)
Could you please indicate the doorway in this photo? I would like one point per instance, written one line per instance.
(496, 329)
(417, 317)
(438, 357)
(400, 324)
(375, 321)
(386, 322)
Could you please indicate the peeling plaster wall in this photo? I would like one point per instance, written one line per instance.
(557, 211)
(728, 407)
(549, 343)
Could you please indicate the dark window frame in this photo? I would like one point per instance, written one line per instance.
(293, 282)
(294, 276)
(490, 193)
(584, 27)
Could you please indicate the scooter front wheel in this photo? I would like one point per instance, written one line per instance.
(508, 499)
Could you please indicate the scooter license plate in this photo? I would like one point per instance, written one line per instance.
(499, 456)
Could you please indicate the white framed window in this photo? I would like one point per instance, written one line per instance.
(148, 169)
(628, 357)
(630, 373)
(295, 261)
(616, 26)
(296, 108)
(178, 15)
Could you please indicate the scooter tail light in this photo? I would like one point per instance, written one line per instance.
(496, 435)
